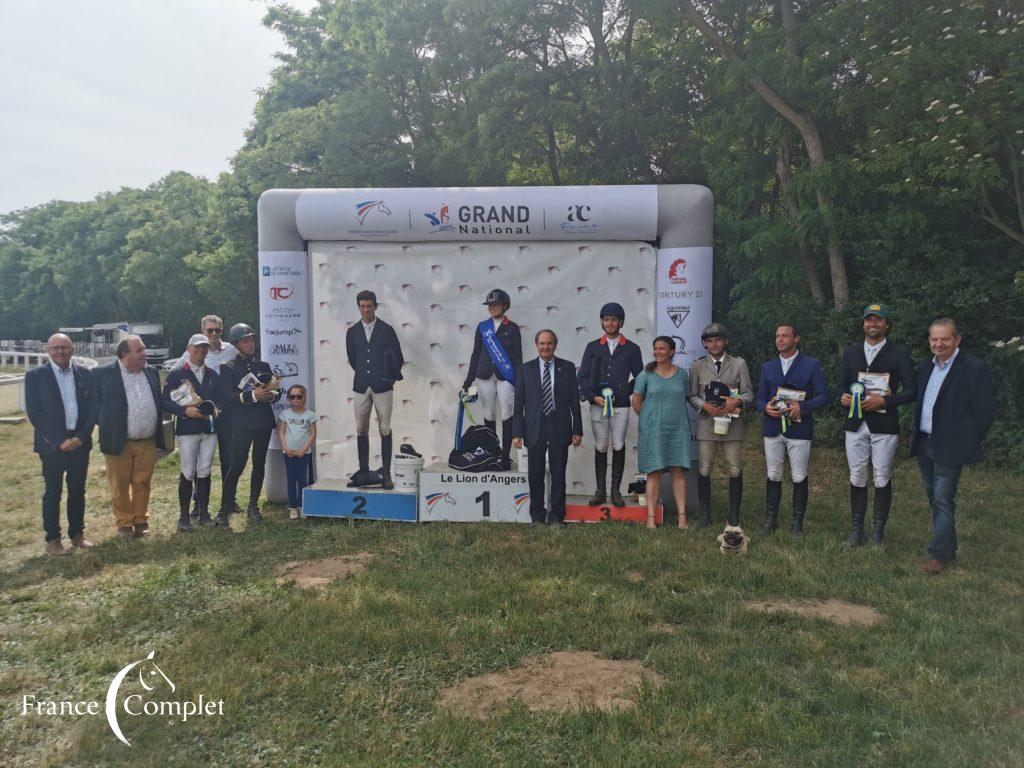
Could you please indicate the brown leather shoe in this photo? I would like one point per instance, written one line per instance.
(54, 548)
(933, 566)
(125, 532)
(140, 530)
(81, 542)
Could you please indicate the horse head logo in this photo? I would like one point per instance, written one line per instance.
(144, 675)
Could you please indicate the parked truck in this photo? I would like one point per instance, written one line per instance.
(100, 340)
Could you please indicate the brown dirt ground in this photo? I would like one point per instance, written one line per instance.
(320, 573)
(558, 682)
(635, 577)
(837, 611)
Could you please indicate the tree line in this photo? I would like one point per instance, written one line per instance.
(858, 151)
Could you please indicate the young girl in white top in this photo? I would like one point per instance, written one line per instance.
(297, 431)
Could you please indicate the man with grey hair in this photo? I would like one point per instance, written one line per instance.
(128, 414)
(220, 352)
(59, 403)
(954, 413)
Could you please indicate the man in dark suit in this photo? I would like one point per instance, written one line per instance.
(873, 420)
(793, 385)
(59, 402)
(546, 416)
(954, 413)
(376, 357)
(128, 415)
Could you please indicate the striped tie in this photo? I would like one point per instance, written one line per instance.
(548, 407)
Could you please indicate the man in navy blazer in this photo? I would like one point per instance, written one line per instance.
(376, 358)
(797, 375)
(546, 416)
(59, 402)
(955, 409)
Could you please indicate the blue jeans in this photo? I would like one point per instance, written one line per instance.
(297, 471)
(940, 482)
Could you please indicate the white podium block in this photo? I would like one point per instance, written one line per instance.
(473, 497)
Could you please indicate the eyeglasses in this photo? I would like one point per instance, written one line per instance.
(213, 330)
(294, 397)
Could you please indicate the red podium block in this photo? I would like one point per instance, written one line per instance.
(578, 511)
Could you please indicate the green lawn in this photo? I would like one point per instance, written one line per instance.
(350, 675)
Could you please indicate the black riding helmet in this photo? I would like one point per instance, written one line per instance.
(240, 331)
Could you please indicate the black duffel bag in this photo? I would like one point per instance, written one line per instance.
(480, 452)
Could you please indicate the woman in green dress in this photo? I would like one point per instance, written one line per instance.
(659, 398)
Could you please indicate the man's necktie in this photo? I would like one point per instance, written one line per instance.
(548, 405)
(718, 366)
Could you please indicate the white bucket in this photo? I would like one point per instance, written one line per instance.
(522, 459)
(407, 473)
(722, 425)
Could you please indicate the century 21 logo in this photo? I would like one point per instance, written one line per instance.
(281, 292)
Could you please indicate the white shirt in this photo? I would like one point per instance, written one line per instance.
(787, 362)
(612, 344)
(199, 373)
(66, 385)
(215, 358)
(368, 329)
(871, 352)
(541, 367)
(142, 413)
(931, 392)
(497, 323)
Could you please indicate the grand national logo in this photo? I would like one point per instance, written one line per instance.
(368, 207)
(494, 220)
(675, 272)
(440, 220)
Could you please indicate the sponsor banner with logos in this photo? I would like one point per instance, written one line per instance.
(683, 303)
(481, 213)
(284, 319)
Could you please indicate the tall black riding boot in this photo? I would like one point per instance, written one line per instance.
(203, 500)
(601, 473)
(704, 500)
(385, 457)
(773, 493)
(880, 513)
(506, 438)
(735, 498)
(363, 449)
(184, 502)
(858, 508)
(618, 467)
(800, 491)
(492, 425)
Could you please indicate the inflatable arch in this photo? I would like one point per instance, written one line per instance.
(432, 254)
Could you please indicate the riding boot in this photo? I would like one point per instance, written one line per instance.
(363, 449)
(735, 498)
(800, 491)
(858, 508)
(880, 513)
(506, 438)
(704, 500)
(773, 492)
(253, 512)
(184, 502)
(618, 467)
(385, 457)
(492, 425)
(203, 500)
(601, 473)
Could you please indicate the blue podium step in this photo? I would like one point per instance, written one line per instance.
(333, 498)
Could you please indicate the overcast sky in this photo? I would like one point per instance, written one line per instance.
(101, 94)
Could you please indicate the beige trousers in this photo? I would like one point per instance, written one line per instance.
(128, 476)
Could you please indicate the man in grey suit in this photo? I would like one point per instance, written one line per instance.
(720, 389)
(59, 403)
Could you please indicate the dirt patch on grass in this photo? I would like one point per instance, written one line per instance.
(665, 628)
(559, 682)
(635, 577)
(837, 611)
(320, 573)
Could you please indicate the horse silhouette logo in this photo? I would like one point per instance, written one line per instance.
(433, 499)
(115, 687)
(367, 207)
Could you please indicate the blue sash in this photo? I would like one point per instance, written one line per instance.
(497, 352)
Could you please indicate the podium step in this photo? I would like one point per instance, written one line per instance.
(333, 498)
(578, 511)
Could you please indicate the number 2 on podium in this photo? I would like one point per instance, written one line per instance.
(485, 499)
(360, 507)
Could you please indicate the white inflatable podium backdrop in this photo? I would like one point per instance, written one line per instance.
(431, 255)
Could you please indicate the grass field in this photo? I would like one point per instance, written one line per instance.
(350, 675)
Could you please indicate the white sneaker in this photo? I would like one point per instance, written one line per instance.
(293, 513)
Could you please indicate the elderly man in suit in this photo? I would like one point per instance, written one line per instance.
(376, 358)
(547, 417)
(873, 419)
(128, 415)
(954, 413)
(790, 388)
(59, 402)
(719, 389)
